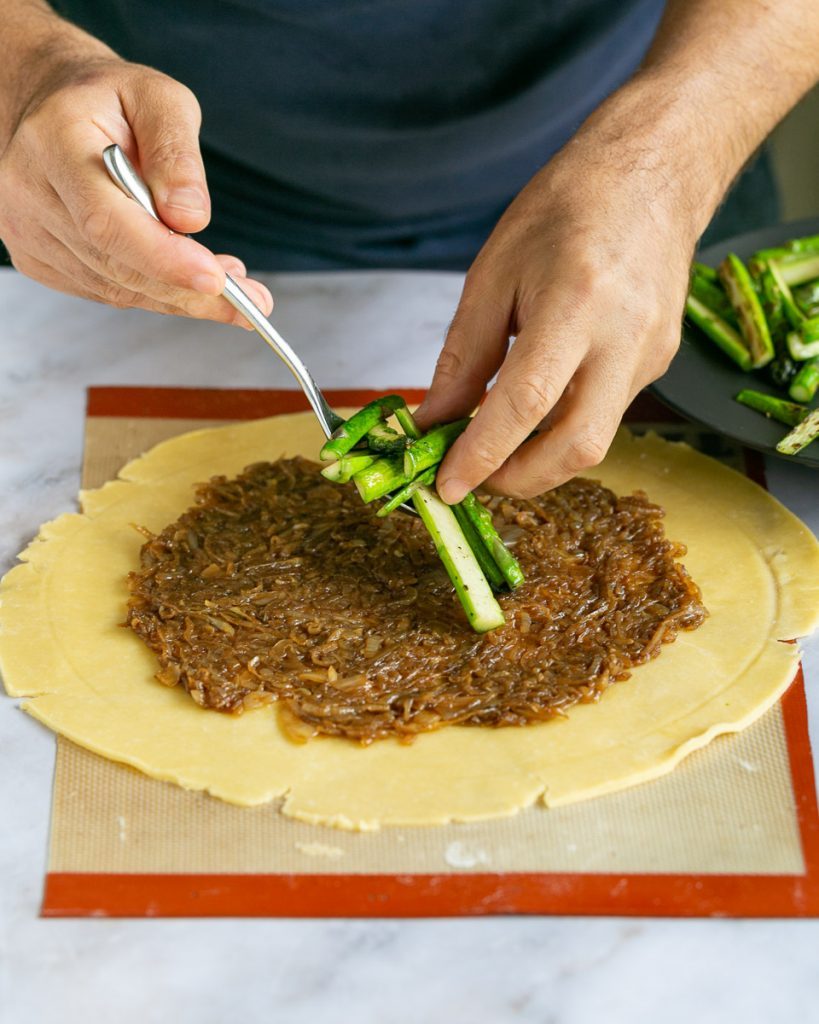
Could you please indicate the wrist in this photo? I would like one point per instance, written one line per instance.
(655, 133)
(42, 52)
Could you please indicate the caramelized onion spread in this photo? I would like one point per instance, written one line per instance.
(280, 586)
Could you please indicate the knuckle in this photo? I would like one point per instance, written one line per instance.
(179, 93)
(585, 451)
(128, 278)
(199, 307)
(479, 287)
(99, 227)
(586, 277)
(485, 458)
(113, 294)
(663, 353)
(590, 277)
(450, 365)
(168, 97)
(529, 399)
(166, 149)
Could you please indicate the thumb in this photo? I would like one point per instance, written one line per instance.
(165, 121)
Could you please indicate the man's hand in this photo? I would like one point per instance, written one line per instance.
(588, 268)
(65, 223)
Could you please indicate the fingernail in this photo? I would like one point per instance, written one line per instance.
(452, 491)
(207, 284)
(189, 199)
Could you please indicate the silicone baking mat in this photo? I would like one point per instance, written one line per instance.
(733, 830)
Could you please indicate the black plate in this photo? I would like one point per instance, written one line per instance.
(701, 382)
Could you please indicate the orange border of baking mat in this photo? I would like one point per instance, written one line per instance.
(78, 894)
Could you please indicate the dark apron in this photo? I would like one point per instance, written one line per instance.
(378, 133)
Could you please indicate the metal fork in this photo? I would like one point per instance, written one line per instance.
(123, 174)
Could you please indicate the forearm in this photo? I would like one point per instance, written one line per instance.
(38, 46)
(719, 76)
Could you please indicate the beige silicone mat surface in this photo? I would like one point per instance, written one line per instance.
(727, 809)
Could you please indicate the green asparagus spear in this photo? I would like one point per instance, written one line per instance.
(774, 408)
(806, 382)
(383, 476)
(485, 560)
(773, 305)
(377, 476)
(346, 467)
(791, 250)
(799, 349)
(713, 296)
(705, 272)
(793, 313)
(482, 610)
(807, 243)
(719, 331)
(430, 449)
(407, 423)
(799, 270)
(481, 519)
(386, 441)
(810, 330)
(740, 289)
(426, 479)
(755, 268)
(487, 563)
(807, 297)
(350, 433)
(801, 436)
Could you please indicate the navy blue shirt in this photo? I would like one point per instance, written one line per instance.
(389, 133)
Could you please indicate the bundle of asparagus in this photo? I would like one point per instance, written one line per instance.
(384, 463)
(766, 314)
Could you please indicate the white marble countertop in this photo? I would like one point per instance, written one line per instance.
(373, 330)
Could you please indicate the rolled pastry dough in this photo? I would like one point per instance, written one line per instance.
(62, 647)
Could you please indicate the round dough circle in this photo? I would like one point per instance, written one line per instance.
(62, 646)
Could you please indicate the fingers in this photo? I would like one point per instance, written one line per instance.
(475, 345)
(532, 379)
(67, 273)
(116, 227)
(584, 426)
(147, 290)
(119, 241)
(232, 265)
(164, 116)
(84, 284)
(258, 292)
